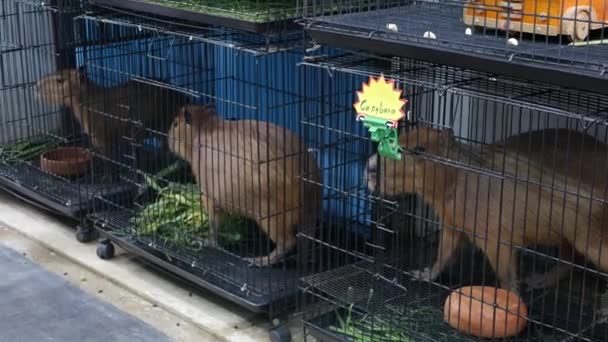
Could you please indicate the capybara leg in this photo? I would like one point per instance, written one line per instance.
(279, 229)
(595, 251)
(592, 243)
(277, 254)
(541, 279)
(215, 218)
(449, 242)
(504, 262)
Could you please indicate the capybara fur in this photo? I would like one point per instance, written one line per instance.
(541, 188)
(249, 168)
(108, 115)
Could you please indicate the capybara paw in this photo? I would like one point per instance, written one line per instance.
(259, 261)
(537, 281)
(422, 275)
(603, 313)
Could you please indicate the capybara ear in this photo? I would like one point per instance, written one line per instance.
(197, 115)
(446, 134)
(445, 140)
(208, 109)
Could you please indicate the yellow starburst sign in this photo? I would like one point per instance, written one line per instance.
(380, 99)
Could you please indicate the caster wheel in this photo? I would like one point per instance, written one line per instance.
(85, 234)
(105, 250)
(280, 334)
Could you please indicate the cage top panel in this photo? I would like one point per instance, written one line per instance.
(437, 32)
(588, 107)
(119, 24)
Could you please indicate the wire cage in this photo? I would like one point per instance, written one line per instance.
(552, 42)
(39, 135)
(216, 205)
(500, 185)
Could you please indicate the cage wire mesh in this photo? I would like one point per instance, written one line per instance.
(565, 39)
(216, 161)
(496, 174)
(39, 135)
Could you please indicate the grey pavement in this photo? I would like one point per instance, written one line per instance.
(37, 306)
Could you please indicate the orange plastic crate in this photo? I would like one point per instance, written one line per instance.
(573, 18)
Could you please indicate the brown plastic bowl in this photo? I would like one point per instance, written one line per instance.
(66, 161)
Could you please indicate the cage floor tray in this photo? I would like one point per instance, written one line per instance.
(372, 292)
(70, 198)
(574, 66)
(219, 271)
(250, 16)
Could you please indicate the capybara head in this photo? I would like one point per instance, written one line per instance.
(394, 177)
(185, 125)
(61, 87)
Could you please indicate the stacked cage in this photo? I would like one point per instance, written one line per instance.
(216, 161)
(563, 41)
(500, 184)
(43, 149)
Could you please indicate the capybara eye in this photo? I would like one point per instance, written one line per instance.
(371, 167)
(419, 149)
(188, 117)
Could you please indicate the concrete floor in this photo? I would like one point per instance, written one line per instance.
(182, 312)
(101, 288)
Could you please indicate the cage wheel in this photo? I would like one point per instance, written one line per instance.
(85, 234)
(280, 334)
(105, 250)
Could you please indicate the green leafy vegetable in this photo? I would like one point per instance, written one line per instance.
(365, 330)
(28, 149)
(250, 10)
(177, 218)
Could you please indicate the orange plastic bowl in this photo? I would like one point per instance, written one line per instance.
(486, 312)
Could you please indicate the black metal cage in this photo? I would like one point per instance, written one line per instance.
(39, 133)
(558, 42)
(215, 161)
(496, 173)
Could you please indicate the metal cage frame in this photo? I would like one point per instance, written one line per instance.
(361, 264)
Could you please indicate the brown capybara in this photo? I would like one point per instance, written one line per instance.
(107, 115)
(552, 194)
(249, 168)
(564, 152)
